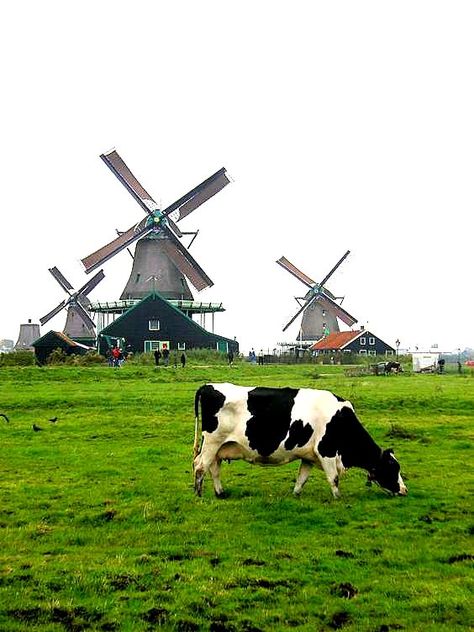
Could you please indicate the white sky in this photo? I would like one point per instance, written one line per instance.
(345, 125)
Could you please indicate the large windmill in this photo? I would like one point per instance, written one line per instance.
(79, 325)
(160, 262)
(318, 306)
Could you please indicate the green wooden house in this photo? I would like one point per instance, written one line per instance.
(154, 323)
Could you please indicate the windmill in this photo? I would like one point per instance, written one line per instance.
(160, 261)
(318, 306)
(79, 325)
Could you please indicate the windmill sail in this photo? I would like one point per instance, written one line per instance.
(97, 258)
(118, 167)
(200, 194)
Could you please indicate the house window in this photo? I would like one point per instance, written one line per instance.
(154, 324)
(371, 341)
(363, 352)
(181, 346)
(363, 341)
(388, 352)
(372, 352)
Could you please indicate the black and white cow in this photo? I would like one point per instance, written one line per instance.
(273, 426)
(393, 367)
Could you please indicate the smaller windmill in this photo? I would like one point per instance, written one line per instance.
(318, 306)
(79, 325)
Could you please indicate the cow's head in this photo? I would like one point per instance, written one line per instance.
(387, 474)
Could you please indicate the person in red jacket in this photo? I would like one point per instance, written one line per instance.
(116, 354)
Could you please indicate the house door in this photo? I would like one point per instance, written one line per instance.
(151, 345)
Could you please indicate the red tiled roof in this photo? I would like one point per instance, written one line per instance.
(336, 340)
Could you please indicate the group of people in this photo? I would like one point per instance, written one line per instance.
(115, 356)
(253, 356)
(165, 354)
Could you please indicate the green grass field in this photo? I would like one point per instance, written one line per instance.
(100, 529)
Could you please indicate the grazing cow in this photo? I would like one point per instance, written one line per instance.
(393, 367)
(273, 426)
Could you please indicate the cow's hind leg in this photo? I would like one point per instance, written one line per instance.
(198, 475)
(303, 474)
(202, 464)
(215, 470)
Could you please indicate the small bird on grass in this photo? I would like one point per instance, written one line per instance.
(5, 417)
(36, 428)
(53, 420)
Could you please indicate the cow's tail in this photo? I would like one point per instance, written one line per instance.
(197, 424)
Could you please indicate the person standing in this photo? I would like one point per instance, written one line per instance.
(166, 356)
(110, 357)
(183, 359)
(230, 357)
(116, 353)
(157, 355)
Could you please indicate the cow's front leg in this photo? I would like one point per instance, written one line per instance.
(330, 467)
(215, 470)
(303, 474)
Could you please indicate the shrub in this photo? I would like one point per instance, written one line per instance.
(57, 356)
(90, 358)
(17, 358)
(194, 356)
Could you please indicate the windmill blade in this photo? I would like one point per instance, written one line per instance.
(91, 284)
(185, 263)
(301, 276)
(82, 313)
(52, 313)
(331, 306)
(118, 167)
(335, 268)
(97, 258)
(301, 310)
(61, 279)
(174, 227)
(197, 196)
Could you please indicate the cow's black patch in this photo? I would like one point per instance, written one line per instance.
(271, 417)
(211, 403)
(299, 434)
(339, 399)
(346, 436)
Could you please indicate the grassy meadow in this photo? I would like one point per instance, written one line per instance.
(100, 529)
